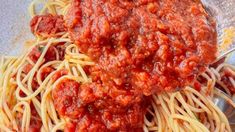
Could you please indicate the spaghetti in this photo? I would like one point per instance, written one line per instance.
(14, 82)
(27, 83)
(189, 109)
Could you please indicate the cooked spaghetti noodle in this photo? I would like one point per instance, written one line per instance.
(189, 109)
(14, 81)
(22, 104)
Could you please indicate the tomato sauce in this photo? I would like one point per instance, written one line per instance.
(59, 74)
(34, 55)
(144, 44)
(35, 122)
(45, 72)
(91, 110)
(226, 74)
(47, 25)
(37, 51)
(140, 47)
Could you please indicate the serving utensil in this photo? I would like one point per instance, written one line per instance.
(224, 13)
(225, 107)
(223, 104)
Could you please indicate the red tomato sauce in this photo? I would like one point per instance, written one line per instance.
(34, 56)
(91, 110)
(144, 45)
(45, 72)
(36, 53)
(140, 47)
(59, 74)
(47, 25)
(35, 122)
(226, 74)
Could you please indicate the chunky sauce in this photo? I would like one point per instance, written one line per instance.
(47, 25)
(140, 47)
(144, 45)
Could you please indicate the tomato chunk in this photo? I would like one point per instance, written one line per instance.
(47, 25)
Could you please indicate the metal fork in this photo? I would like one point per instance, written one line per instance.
(222, 103)
(224, 13)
